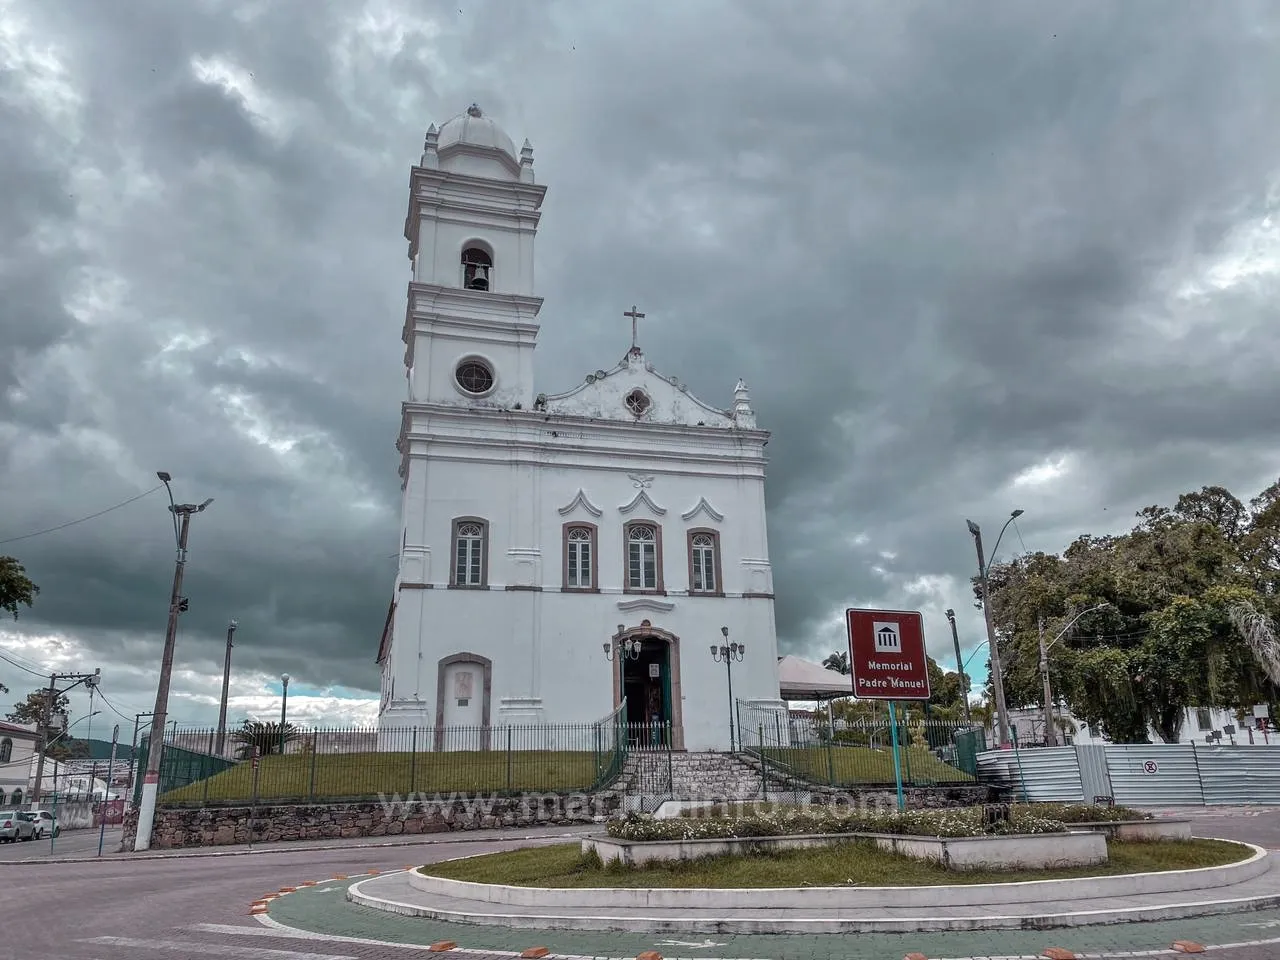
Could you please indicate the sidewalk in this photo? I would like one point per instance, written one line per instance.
(28, 854)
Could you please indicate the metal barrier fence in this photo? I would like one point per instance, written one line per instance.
(1139, 775)
(179, 768)
(363, 763)
(859, 753)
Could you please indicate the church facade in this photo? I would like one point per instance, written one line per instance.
(562, 555)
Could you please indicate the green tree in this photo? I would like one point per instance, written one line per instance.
(1168, 635)
(31, 709)
(838, 662)
(15, 586)
(264, 735)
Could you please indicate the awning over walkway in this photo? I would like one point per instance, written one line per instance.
(804, 680)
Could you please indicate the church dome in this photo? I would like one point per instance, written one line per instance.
(474, 129)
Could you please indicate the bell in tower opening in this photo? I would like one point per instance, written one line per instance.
(476, 267)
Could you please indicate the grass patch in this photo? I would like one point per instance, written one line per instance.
(362, 775)
(855, 863)
(842, 766)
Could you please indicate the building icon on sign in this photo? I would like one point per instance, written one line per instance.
(888, 640)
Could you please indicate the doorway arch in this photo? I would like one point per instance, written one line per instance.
(646, 631)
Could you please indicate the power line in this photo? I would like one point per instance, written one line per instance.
(72, 523)
(15, 663)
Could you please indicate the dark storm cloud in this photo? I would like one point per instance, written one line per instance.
(940, 248)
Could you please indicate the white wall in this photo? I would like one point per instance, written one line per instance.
(546, 644)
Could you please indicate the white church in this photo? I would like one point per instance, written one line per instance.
(562, 555)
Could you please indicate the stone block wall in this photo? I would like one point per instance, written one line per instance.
(225, 826)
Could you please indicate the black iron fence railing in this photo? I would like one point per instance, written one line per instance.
(354, 763)
(858, 753)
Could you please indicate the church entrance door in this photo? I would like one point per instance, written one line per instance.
(646, 683)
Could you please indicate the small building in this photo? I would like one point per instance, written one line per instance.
(17, 747)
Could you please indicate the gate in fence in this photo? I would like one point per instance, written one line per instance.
(1139, 775)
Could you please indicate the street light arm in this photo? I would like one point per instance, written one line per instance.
(1072, 622)
(1000, 536)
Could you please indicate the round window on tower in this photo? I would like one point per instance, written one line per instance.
(474, 377)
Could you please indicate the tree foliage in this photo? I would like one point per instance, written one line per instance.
(264, 735)
(15, 586)
(1168, 634)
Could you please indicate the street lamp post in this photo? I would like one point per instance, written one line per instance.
(226, 684)
(997, 674)
(1050, 732)
(177, 604)
(955, 639)
(284, 708)
(729, 652)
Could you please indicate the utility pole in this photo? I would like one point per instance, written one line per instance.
(955, 639)
(51, 695)
(1050, 735)
(226, 683)
(177, 604)
(997, 673)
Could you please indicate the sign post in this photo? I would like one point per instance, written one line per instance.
(888, 662)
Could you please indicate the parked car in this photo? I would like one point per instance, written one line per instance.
(14, 826)
(46, 824)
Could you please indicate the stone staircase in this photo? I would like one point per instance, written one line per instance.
(649, 778)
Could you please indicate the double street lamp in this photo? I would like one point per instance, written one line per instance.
(997, 674)
(727, 653)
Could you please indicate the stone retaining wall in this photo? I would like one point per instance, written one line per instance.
(224, 826)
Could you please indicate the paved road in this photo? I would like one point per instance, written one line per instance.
(124, 908)
(71, 843)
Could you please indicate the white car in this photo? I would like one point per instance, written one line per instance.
(15, 825)
(46, 824)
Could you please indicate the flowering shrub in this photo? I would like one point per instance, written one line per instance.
(791, 821)
(1083, 812)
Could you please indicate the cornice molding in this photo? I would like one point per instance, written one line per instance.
(703, 507)
(580, 501)
(642, 497)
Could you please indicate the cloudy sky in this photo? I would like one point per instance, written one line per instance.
(969, 257)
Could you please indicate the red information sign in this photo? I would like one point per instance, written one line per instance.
(887, 656)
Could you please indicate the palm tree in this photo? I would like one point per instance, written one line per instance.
(263, 735)
(838, 662)
(1257, 633)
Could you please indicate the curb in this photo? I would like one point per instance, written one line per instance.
(194, 855)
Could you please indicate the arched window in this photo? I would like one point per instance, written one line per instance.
(470, 552)
(644, 558)
(579, 557)
(6, 750)
(1, 797)
(477, 269)
(704, 562)
(16, 799)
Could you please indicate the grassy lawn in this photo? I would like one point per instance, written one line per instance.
(351, 775)
(848, 765)
(857, 863)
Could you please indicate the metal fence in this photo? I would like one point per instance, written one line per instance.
(858, 753)
(179, 768)
(1140, 775)
(321, 764)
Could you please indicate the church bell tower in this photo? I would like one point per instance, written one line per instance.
(471, 323)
